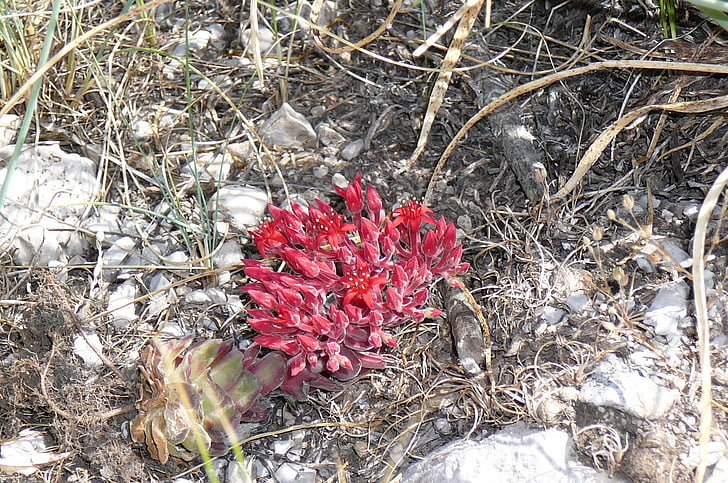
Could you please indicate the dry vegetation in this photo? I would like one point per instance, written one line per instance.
(616, 126)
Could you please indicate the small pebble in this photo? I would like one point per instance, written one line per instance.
(320, 171)
(288, 129)
(198, 297)
(352, 149)
(339, 180)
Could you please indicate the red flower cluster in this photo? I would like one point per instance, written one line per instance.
(347, 282)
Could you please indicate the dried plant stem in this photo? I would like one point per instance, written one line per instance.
(466, 15)
(555, 77)
(43, 68)
(316, 11)
(701, 316)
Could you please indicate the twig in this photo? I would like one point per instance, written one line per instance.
(701, 316)
(555, 77)
(467, 14)
(316, 10)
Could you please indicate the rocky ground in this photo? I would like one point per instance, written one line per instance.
(127, 218)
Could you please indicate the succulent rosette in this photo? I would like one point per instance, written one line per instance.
(348, 280)
(195, 395)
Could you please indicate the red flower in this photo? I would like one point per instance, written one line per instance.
(345, 281)
(330, 226)
(413, 214)
(360, 285)
(352, 195)
(267, 236)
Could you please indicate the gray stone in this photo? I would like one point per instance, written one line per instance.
(266, 40)
(242, 206)
(614, 385)
(288, 129)
(120, 304)
(9, 125)
(668, 308)
(238, 472)
(48, 194)
(514, 454)
(295, 473)
(329, 136)
(577, 302)
(352, 149)
(229, 255)
(208, 167)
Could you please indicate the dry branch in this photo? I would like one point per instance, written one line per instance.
(555, 77)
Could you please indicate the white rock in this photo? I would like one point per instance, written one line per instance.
(238, 472)
(259, 470)
(117, 255)
(352, 149)
(613, 384)
(326, 16)
(217, 33)
(676, 253)
(288, 129)
(173, 329)
(577, 302)
(715, 452)
(160, 300)
(213, 167)
(669, 255)
(84, 347)
(48, 193)
(320, 171)
(25, 453)
(266, 40)
(339, 180)
(691, 211)
(152, 253)
(105, 219)
(329, 136)
(240, 150)
(198, 297)
(196, 41)
(243, 205)
(668, 308)
(295, 473)
(34, 245)
(122, 310)
(142, 130)
(179, 257)
(230, 254)
(512, 455)
(718, 473)
(281, 447)
(216, 295)
(443, 426)
(550, 315)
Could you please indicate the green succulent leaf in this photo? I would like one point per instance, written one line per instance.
(196, 395)
(270, 371)
(246, 391)
(227, 371)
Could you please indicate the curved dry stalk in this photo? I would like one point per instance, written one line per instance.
(606, 137)
(555, 77)
(467, 14)
(316, 10)
(255, 40)
(701, 317)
